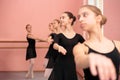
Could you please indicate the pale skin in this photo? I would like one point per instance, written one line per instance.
(32, 60)
(30, 35)
(54, 27)
(91, 23)
(57, 28)
(67, 30)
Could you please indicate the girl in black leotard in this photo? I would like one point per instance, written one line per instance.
(52, 53)
(64, 42)
(98, 55)
(31, 52)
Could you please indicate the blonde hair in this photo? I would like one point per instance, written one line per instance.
(97, 11)
(57, 20)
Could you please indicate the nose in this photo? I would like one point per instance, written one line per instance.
(80, 19)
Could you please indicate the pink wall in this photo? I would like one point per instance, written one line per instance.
(15, 14)
(112, 12)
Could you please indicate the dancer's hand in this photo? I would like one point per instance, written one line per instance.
(102, 66)
(62, 50)
(49, 40)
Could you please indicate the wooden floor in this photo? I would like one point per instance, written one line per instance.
(20, 76)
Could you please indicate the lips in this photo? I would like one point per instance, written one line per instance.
(82, 25)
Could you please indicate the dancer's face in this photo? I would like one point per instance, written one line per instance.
(87, 18)
(55, 23)
(65, 20)
(29, 28)
(51, 28)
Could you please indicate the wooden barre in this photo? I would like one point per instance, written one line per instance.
(13, 41)
(18, 47)
(14, 47)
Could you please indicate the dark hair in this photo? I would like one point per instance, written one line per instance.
(27, 25)
(71, 16)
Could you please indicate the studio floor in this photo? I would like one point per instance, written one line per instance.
(20, 76)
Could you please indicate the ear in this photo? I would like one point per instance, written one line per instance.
(99, 18)
(71, 20)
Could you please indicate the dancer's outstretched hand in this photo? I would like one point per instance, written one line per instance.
(102, 66)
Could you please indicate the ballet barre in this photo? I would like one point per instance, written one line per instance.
(11, 42)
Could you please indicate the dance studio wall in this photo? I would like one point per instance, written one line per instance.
(111, 11)
(14, 15)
